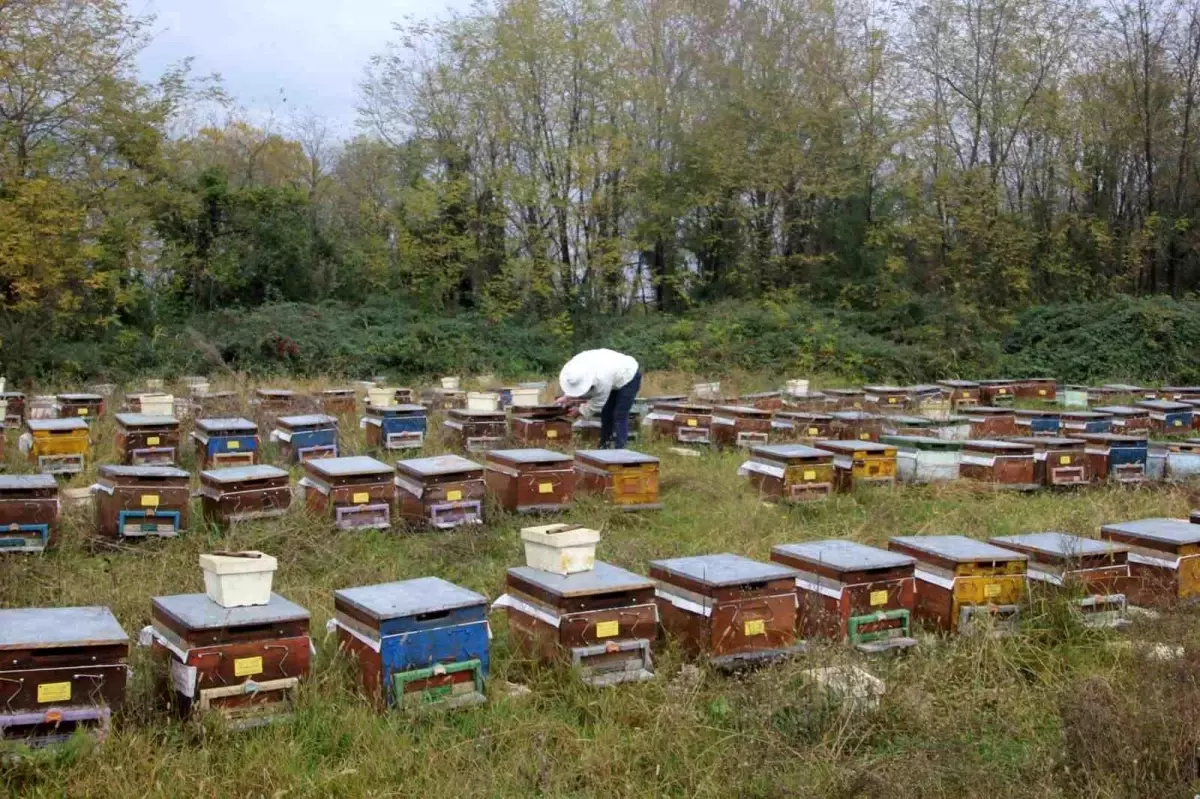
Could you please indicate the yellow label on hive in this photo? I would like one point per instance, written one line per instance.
(453, 496)
(756, 627)
(891, 400)
(607, 629)
(82, 411)
(361, 497)
(247, 667)
(1064, 459)
(810, 474)
(812, 431)
(991, 590)
(54, 692)
(551, 434)
(233, 445)
(152, 441)
(545, 488)
(149, 500)
(1178, 423)
(1041, 392)
(878, 598)
(865, 436)
(1002, 391)
(692, 423)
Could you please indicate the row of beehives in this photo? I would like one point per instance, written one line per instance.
(427, 641)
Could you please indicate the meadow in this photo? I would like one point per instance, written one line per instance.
(1057, 710)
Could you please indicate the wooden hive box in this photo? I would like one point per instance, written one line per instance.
(80, 406)
(627, 480)
(444, 399)
(856, 426)
(586, 432)
(960, 579)
(1073, 397)
(962, 393)
(271, 403)
(928, 401)
(1038, 388)
(541, 426)
(734, 610)
(740, 426)
(812, 402)
(1127, 419)
(1058, 461)
(530, 480)
(1116, 458)
(905, 425)
(338, 401)
(1168, 417)
(58, 446)
(763, 400)
(147, 440)
(63, 670)
(845, 399)
(141, 501)
(242, 493)
(682, 422)
(885, 399)
(417, 642)
(790, 472)
(924, 459)
(1038, 422)
(444, 491)
(476, 431)
(852, 592)
(225, 442)
(307, 437)
(603, 621)
(803, 426)
(1076, 423)
(861, 463)
(991, 422)
(1164, 559)
(151, 403)
(1179, 393)
(1095, 573)
(395, 427)
(1180, 459)
(14, 408)
(997, 393)
(356, 492)
(217, 404)
(29, 512)
(1002, 463)
(242, 663)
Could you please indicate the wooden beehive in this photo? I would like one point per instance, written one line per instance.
(1058, 461)
(530, 480)
(1164, 559)
(271, 403)
(141, 501)
(845, 399)
(905, 425)
(28, 512)
(541, 426)
(1179, 393)
(960, 579)
(812, 402)
(732, 609)
(242, 493)
(852, 592)
(63, 670)
(217, 404)
(763, 400)
(997, 393)
(740, 426)
(790, 472)
(885, 399)
(1001, 463)
(682, 422)
(225, 442)
(992, 422)
(1038, 422)
(1038, 388)
(80, 406)
(627, 480)
(804, 426)
(307, 437)
(58, 446)
(147, 440)
(14, 408)
(924, 459)
(444, 491)
(395, 427)
(338, 401)
(963, 394)
(928, 401)
(1076, 423)
(858, 463)
(243, 663)
(1126, 418)
(1116, 458)
(475, 431)
(602, 621)
(856, 426)
(1168, 417)
(357, 492)
(1095, 573)
(444, 399)
(417, 642)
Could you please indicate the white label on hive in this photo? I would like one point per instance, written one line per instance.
(812, 431)
(233, 445)
(54, 692)
(991, 590)
(810, 474)
(755, 627)
(247, 667)
(149, 500)
(152, 441)
(1002, 391)
(878, 598)
(692, 423)
(545, 488)
(1064, 459)
(453, 496)
(607, 629)
(361, 497)
(551, 434)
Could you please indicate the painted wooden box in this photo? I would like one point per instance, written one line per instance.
(1038, 388)
(740, 426)
(307, 437)
(991, 422)
(625, 479)
(1164, 560)
(1038, 422)
(924, 459)
(1116, 458)
(682, 422)
(151, 403)
(928, 401)
(1058, 461)
(603, 621)
(244, 664)
(242, 493)
(852, 592)
(217, 404)
(530, 480)
(141, 501)
(418, 642)
(225, 442)
(476, 431)
(858, 463)
(804, 426)
(147, 440)
(80, 406)
(58, 446)
(1168, 417)
(1002, 463)
(586, 432)
(735, 610)
(885, 399)
(395, 427)
(541, 426)
(961, 580)
(1180, 393)
(905, 425)
(338, 401)
(444, 399)
(271, 403)
(845, 399)
(1127, 419)
(763, 400)
(29, 512)
(1095, 573)
(356, 492)
(14, 408)
(856, 426)
(962, 393)
(444, 491)
(790, 472)
(62, 670)
(1073, 397)
(997, 393)
(812, 402)
(1076, 423)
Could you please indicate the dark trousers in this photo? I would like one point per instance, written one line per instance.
(614, 418)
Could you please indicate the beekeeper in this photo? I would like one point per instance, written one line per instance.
(608, 382)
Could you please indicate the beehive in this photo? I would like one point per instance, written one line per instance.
(338, 401)
(58, 446)
(1058, 461)
(740, 426)
(1038, 422)
(444, 492)
(627, 480)
(803, 426)
(1095, 573)
(762, 400)
(904, 425)
(225, 442)
(80, 406)
(684, 423)
(923, 459)
(143, 439)
(1168, 417)
(929, 401)
(395, 427)
(476, 431)
(790, 472)
(1076, 423)
(357, 492)
(29, 512)
(990, 422)
(217, 404)
(858, 463)
(541, 426)
(1038, 388)
(530, 480)
(1116, 458)
(997, 393)
(271, 403)
(885, 399)
(963, 394)
(141, 501)
(856, 426)
(845, 399)
(586, 432)
(1127, 419)
(1164, 559)
(307, 437)
(1001, 463)
(242, 493)
(14, 408)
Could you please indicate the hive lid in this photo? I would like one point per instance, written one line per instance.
(761, 395)
(1122, 410)
(1095, 415)
(338, 392)
(1049, 442)
(532, 455)
(394, 410)
(854, 446)
(230, 425)
(1167, 531)
(959, 383)
(855, 416)
(274, 392)
(80, 397)
(842, 555)
(725, 569)
(348, 467)
(1164, 405)
(307, 420)
(215, 395)
(118, 470)
(958, 548)
(408, 598)
(1060, 544)
(884, 389)
(741, 410)
(986, 410)
(615, 457)
(26, 482)
(1114, 438)
(11, 395)
(998, 382)
(1037, 414)
(438, 465)
(52, 425)
(787, 451)
(41, 628)
(913, 421)
(1124, 388)
(144, 420)
(198, 612)
(800, 415)
(234, 474)
(990, 445)
(474, 413)
(922, 443)
(602, 578)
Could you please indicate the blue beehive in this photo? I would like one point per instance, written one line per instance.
(226, 442)
(1038, 423)
(395, 427)
(1117, 457)
(309, 436)
(417, 641)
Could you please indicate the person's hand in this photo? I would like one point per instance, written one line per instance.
(572, 411)
(563, 400)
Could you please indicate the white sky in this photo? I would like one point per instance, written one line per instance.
(281, 56)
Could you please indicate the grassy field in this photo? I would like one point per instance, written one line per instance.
(1055, 711)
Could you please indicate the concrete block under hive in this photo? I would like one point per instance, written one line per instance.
(541, 426)
(144, 440)
(1076, 423)
(1164, 560)
(990, 422)
(395, 427)
(1058, 461)
(338, 401)
(763, 400)
(14, 408)
(357, 492)
(476, 431)
(58, 446)
(444, 492)
(740, 426)
(625, 479)
(243, 663)
(997, 393)
(845, 399)
(141, 501)
(885, 399)
(29, 512)
(225, 442)
(852, 592)
(62, 670)
(1127, 419)
(418, 643)
(1038, 388)
(1116, 458)
(530, 480)
(80, 406)
(1167, 417)
(963, 394)
(923, 459)
(1094, 573)
(602, 622)
(804, 426)
(734, 610)
(856, 426)
(217, 404)
(243, 493)
(1038, 422)
(960, 580)
(790, 472)
(307, 437)
(682, 423)
(858, 463)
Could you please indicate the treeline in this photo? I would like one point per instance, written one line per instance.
(569, 162)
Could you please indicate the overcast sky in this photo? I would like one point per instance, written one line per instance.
(284, 56)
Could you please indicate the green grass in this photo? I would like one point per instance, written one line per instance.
(1056, 711)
